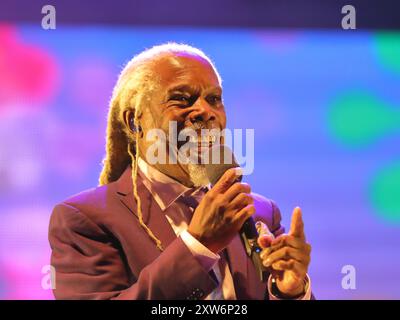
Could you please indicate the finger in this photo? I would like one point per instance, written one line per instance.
(297, 225)
(244, 214)
(282, 265)
(276, 242)
(240, 201)
(265, 253)
(287, 240)
(263, 229)
(227, 179)
(265, 236)
(286, 253)
(235, 189)
(265, 241)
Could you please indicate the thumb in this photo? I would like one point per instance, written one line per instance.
(297, 225)
(265, 236)
(228, 178)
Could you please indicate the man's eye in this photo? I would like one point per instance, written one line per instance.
(214, 99)
(180, 98)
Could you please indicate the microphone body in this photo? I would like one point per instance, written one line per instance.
(248, 232)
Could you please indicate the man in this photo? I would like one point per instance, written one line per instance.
(155, 231)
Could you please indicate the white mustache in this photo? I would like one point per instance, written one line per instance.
(198, 126)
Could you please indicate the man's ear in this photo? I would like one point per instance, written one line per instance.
(129, 116)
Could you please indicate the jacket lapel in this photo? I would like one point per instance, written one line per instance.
(246, 282)
(153, 217)
(238, 266)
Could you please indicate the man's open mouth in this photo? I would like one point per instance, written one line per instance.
(205, 140)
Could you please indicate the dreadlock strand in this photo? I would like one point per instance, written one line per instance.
(135, 161)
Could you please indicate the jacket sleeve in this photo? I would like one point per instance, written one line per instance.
(90, 265)
(277, 229)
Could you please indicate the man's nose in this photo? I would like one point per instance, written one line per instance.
(202, 111)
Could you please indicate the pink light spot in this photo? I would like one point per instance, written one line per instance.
(29, 76)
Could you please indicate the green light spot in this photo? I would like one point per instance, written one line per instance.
(388, 48)
(358, 119)
(385, 193)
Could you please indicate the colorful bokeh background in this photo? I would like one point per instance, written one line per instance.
(325, 106)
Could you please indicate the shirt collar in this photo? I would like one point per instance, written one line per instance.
(165, 190)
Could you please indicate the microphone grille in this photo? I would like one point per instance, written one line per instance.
(220, 158)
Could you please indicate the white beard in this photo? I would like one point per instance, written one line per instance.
(198, 175)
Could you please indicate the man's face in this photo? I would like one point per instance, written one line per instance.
(189, 94)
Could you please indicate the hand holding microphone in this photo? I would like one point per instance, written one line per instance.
(223, 211)
(227, 209)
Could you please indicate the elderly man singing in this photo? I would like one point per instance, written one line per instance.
(159, 230)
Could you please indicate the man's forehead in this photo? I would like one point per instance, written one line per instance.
(185, 69)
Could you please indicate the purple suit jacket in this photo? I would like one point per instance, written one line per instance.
(100, 251)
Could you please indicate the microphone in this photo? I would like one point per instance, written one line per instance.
(220, 159)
